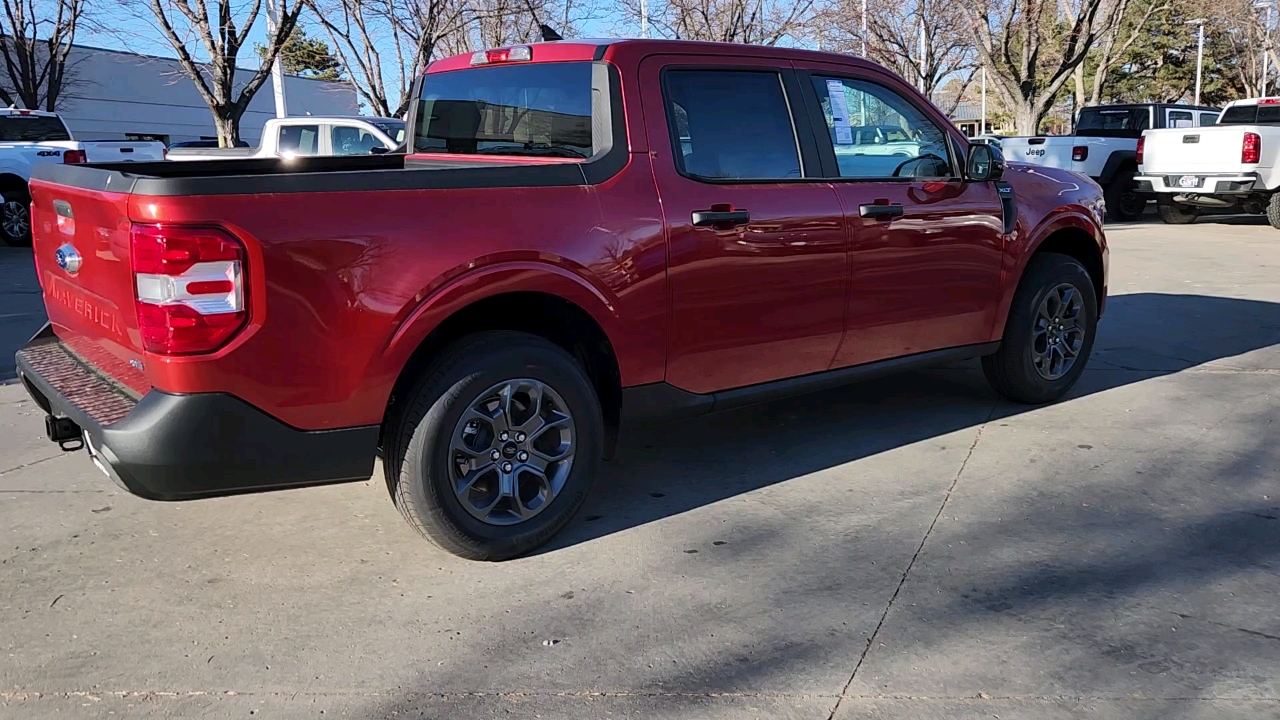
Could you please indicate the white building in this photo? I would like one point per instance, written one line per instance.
(112, 95)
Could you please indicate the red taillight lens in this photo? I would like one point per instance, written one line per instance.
(1142, 145)
(74, 157)
(501, 55)
(1080, 153)
(189, 288)
(1251, 149)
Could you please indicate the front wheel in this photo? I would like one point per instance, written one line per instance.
(494, 450)
(15, 219)
(1175, 214)
(1124, 203)
(1049, 334)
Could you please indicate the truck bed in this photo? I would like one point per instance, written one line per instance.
(325, 174)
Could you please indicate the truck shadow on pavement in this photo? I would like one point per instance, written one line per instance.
(1059, 570)
(674, 468)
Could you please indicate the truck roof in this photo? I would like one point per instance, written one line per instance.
(1255, 101)
(586, 49)
(5, 112)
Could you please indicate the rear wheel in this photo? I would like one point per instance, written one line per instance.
(1177, 214)
(15, 218)
(1049, 334)
(496, 447)
(1123, 201)
(1273, 210)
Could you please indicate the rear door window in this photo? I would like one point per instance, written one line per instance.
(731, 125)
(1208, 119)
(299, 140)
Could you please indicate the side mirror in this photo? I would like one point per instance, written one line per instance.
(379, 150)
(986, 163)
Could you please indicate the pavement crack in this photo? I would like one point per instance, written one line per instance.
(1228, 626)
(906, 572)
(27, 465)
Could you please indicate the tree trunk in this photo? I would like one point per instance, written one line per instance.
(1078, 76)
(1026, 119)
(228, 124)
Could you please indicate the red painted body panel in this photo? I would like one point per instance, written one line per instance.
(344, 286)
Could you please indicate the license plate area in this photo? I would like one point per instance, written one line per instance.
(1185, 182)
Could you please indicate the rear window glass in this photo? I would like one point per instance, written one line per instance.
(32, 128)
(1251, 115)
(519, 109)
(1120, 122)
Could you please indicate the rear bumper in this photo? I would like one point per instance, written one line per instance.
(164, 446)
(1239, 184)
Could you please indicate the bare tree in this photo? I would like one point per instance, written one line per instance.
(1031, 48)
(407, 32)
(893, 40)
(221, 32)
(1134, 19)
(759, 22)
(35, 68)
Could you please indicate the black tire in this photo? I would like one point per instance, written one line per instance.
(16, 201)
(1012, 370)
(1174, 214)
(1123, 203)
(1273, 210)
(417, 447)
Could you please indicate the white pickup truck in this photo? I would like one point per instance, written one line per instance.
(306, 135)
(32, 137)
(1104, 147)
(1235, 164)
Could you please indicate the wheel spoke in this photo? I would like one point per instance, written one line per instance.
(1065, 301)
(470, 477)
(506, 484)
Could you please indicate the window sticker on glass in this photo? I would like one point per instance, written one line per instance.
(839, 113)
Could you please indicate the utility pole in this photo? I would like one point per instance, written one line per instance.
(277, 67)
(644, 18)
(922, 87)
(983, 130)
(1199, 54)
(1266, 40)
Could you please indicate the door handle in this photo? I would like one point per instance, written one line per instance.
(880, 211)
(720, 218)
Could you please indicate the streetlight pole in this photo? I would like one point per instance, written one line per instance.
(922, 87)
(644, 18)
(864, 28)
(277, 67)
(983, 130)
(1199, 54)
(1266, 40)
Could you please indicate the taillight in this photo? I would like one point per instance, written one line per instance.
(1251, 149)
(74, 157)
(189, 288)
(502, 55)
(1080, 153)
(1142, 144)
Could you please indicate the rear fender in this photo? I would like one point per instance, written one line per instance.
(1115, 162)
(498, 279)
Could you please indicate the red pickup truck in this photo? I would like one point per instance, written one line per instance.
(582, 234)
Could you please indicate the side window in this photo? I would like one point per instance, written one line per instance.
(878, 133)
(1180, 119)
(349, 140)
(731, 124)
(1208, 119)
(299, 139)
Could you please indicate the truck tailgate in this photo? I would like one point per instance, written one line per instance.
(81, 245)
(1047, 151)
(1184, 150)
(105, 151)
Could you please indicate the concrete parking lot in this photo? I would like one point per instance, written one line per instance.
(914, 548)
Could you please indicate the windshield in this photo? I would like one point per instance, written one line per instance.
(525, 109)
(32, 128)
(393, 128)
(1113, 122)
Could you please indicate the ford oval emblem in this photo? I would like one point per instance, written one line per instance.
(68, 258)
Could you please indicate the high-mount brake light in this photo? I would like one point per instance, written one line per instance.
(189, 288)
(517, 53)
(1269, 101)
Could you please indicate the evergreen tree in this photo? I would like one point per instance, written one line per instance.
(307, 57)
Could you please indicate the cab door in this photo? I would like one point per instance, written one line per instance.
(926, 245)
(757, 248)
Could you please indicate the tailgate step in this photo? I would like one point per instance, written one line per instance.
(98, 397)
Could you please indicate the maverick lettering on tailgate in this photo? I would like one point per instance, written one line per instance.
(95, 311)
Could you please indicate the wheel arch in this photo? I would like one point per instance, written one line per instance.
(1117, 161)
(12, 181)
(1074, 240)
(567, 312)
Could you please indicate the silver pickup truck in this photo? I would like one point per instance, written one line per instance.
(310, 136)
